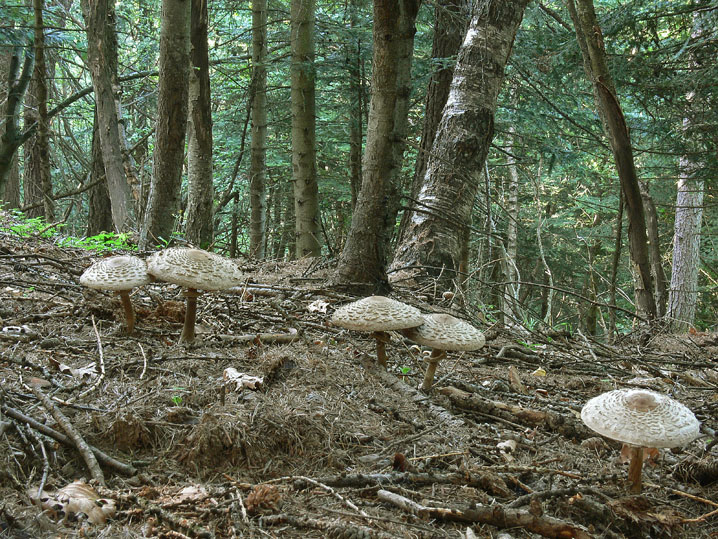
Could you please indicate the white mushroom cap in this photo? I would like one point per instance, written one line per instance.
(446, 332)
(194, 268)
(116, 273)
(641, 417)
(377, 313)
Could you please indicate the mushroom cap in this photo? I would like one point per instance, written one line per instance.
(194, 268)
(641, 417)
(116, 273)
(377, 313)
(446, 332)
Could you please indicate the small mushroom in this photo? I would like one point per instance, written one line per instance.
(120, 274)
(642, 419)
(444, 332)
(377, 314)
(195, 270)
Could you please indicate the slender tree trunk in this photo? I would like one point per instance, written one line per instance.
(408, 10)
(17, 83)
(99, 215)
(591, 41)
(200, 192)
(432, 244)
(304, 167)
(164, 197)
(512, 309)
(451, 18)
(38, 182)
(356, 115)
(654, 251)
(683, 290)
(363, 259)
(258, 166)
(615, 260)
(102, 61)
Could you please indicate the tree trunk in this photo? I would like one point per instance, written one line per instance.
(102, 61)
(654, 251)
(163, 200)
(38, 183)
(356, 115)
(404, 45)
(304, 168)
(683, 290)
(590, 39)
(451, 18)
(258, 166)
(17, 82)
(99, 215)
(511, 306)
(363, 259)
(615, 260)
(432, 244)
(200, 192)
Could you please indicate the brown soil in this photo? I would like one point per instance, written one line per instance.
(328, 445)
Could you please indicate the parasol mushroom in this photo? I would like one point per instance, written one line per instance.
(377, 314)
(195, 270)
(640, 418)
(120, 274)
(444, 332)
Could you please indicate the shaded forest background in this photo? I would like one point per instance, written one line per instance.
(549, 185)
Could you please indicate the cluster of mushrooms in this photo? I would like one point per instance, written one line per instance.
(193, 269)
(442, 332)
(637, 417)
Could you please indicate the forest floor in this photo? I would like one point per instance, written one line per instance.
(326, 444)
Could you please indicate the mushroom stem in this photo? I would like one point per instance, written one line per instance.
(188, 333)
(129, 311)
(382, 337)
(436, 356)
(635, 468)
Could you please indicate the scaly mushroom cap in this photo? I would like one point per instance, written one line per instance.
(446, 332)
(641, 417)
(116, 273)
(377, 313)
(194, 268)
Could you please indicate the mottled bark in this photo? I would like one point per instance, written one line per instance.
(432, 245)
(258, 163)
(164, 196)
(654, 251)
(590, 39)
(200, 191)
(363, 260)
(304, 168)
(451, 18)
(102, 61)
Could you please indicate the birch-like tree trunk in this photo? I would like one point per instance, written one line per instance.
(304, 167)
(200, 191)
(258, 163)
(590, 41)
(432, 245)
(163, 200)
(102, 60)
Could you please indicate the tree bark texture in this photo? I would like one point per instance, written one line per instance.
(304, 167)
(591, 40)
(451, 18)
(37, 180)
(408, 10)
(17, 83)
(654, 251)
(163, 199)
(200, 191)
(258, 164)
(363, 260)
(356, 113)
(99, 215)
(102, 60)
(432, 245)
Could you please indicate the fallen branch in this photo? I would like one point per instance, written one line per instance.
(332, 529)
(496, 515)
(103, 458)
